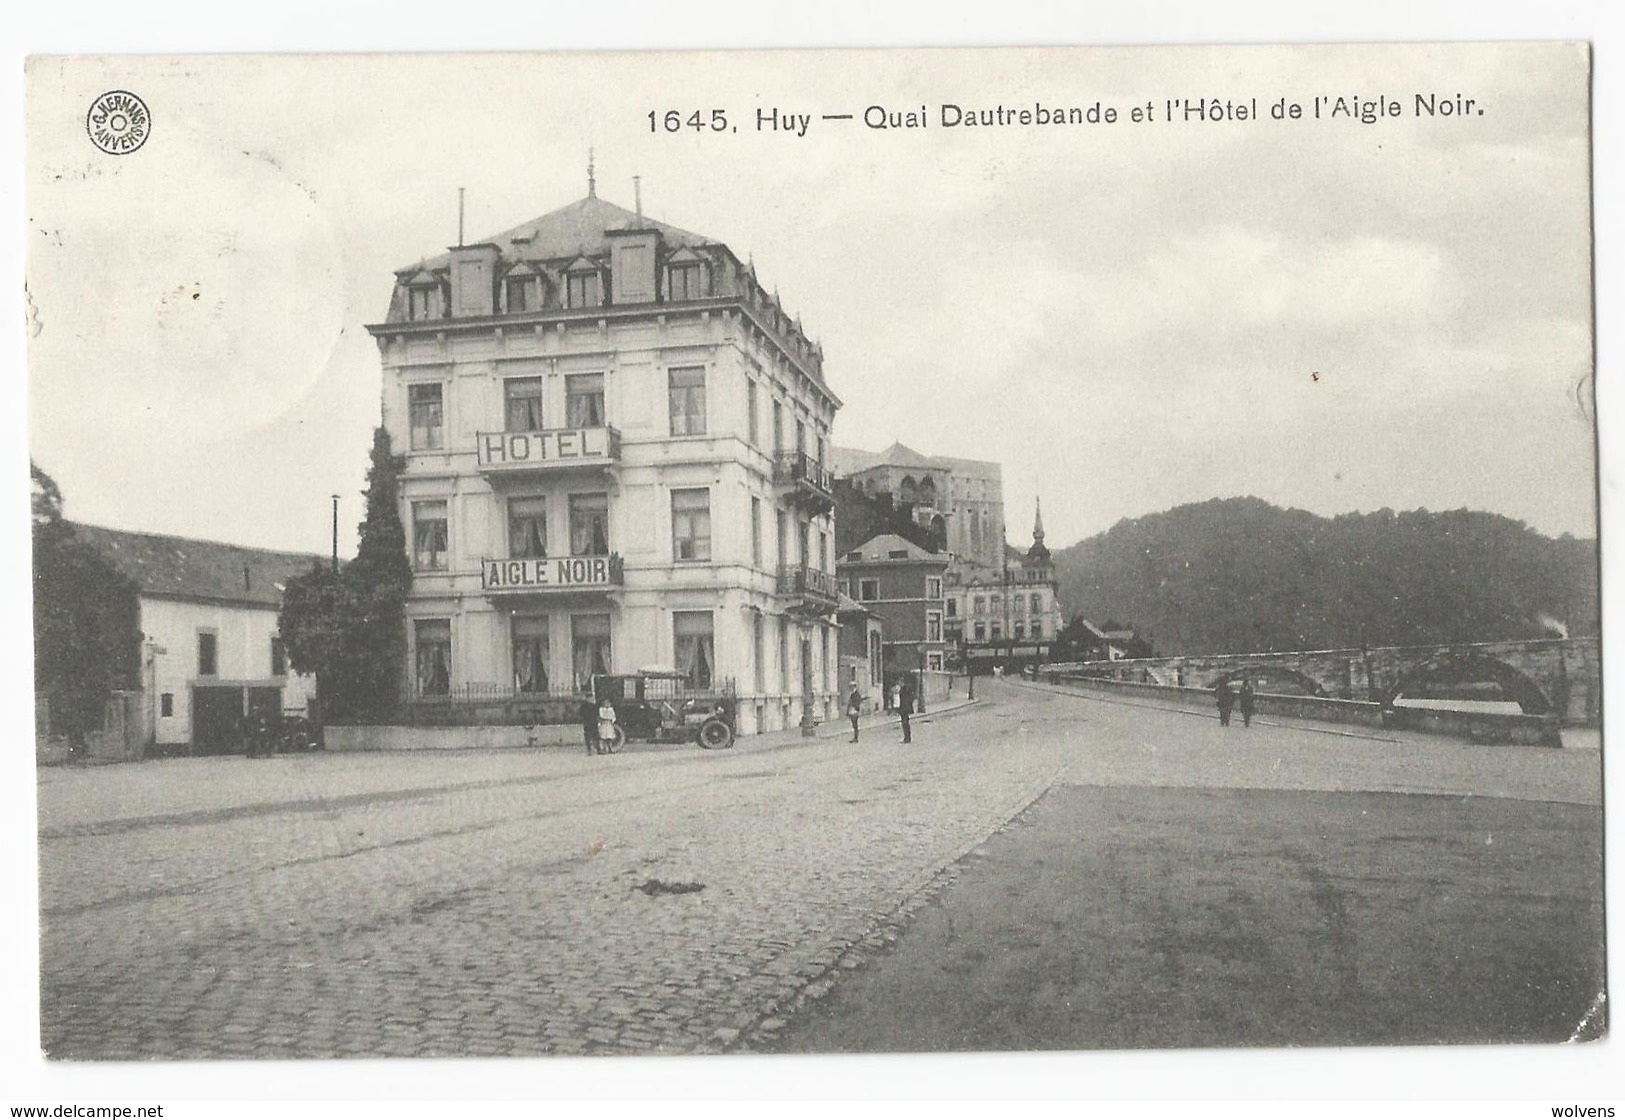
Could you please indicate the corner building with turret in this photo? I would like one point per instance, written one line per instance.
(615, 445)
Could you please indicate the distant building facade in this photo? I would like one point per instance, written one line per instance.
(902, 584)
(1005, 614)
(862, 652)
(211, 651)
(616, 457)
(966, 494)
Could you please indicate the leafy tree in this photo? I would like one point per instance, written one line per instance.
(349, 627)
(87, 620)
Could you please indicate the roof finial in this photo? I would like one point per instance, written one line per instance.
(592, 177)
(1038, 520)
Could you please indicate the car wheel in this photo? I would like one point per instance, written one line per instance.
(715, 734)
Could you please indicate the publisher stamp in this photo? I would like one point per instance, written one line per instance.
(118, 122)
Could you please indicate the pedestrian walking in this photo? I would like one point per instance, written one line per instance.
(905, 703)
(1245, 702)
(1227, 701)
(854, 707)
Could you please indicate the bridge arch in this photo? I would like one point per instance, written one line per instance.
(1464, 672)
(1266, 675)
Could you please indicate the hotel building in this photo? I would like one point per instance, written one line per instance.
(615, 445)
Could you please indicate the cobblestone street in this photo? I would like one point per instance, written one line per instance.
(534, 902)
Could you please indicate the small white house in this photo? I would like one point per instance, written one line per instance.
(210, 651)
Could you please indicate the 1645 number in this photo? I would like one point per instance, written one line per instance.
(674, 120)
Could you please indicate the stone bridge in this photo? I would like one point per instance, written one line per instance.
(1561, 676)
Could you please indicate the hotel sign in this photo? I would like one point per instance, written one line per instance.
(568, 573)
(553, 448)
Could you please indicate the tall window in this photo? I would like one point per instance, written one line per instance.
(868, 590)
(589, 524)
(527, 528)
(429, 539)
(691, 524)
(801, 438)
(778, 427)
(784, 655)
(752, 432)
(1038, 628)
(756, 532)
(998, 630)
(758, 649)
(427, 417)
(781, 543)
(829, 683)
(1038, 604)
(524, 397)
(695, 647)
(208, 653)
(582, 289)
(687, 389)
(933, 587)
(279, 658)
(685, 281)
(933, 626)
(589, 648)
(433, 656)
(584, 400)
(529, 654)
(876, 668)
(979, 605)
(952, 606)
(1018, 630)
(980, 632)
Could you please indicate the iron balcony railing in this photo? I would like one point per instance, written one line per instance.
(802, 582)
(548, 449)
(797, 468)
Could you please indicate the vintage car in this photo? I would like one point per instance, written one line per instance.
(660, 705)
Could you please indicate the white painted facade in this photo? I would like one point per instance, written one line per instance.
(700, 532)
(173, 631)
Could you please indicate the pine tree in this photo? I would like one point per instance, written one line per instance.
(349, 628)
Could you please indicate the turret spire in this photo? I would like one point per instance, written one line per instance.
(1038, 554)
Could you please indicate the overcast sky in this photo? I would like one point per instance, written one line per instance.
(1332, 315)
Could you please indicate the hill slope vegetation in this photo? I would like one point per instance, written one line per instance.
(1240, 575)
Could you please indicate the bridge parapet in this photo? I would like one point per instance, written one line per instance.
(1565, 673)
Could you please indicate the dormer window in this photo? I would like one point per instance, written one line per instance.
(583, 285)
(423, 302)
(523, 293)
(685, 281)
(686, 276)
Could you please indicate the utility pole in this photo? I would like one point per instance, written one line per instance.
(335, 534)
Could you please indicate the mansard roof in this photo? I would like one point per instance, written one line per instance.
(576, 230)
